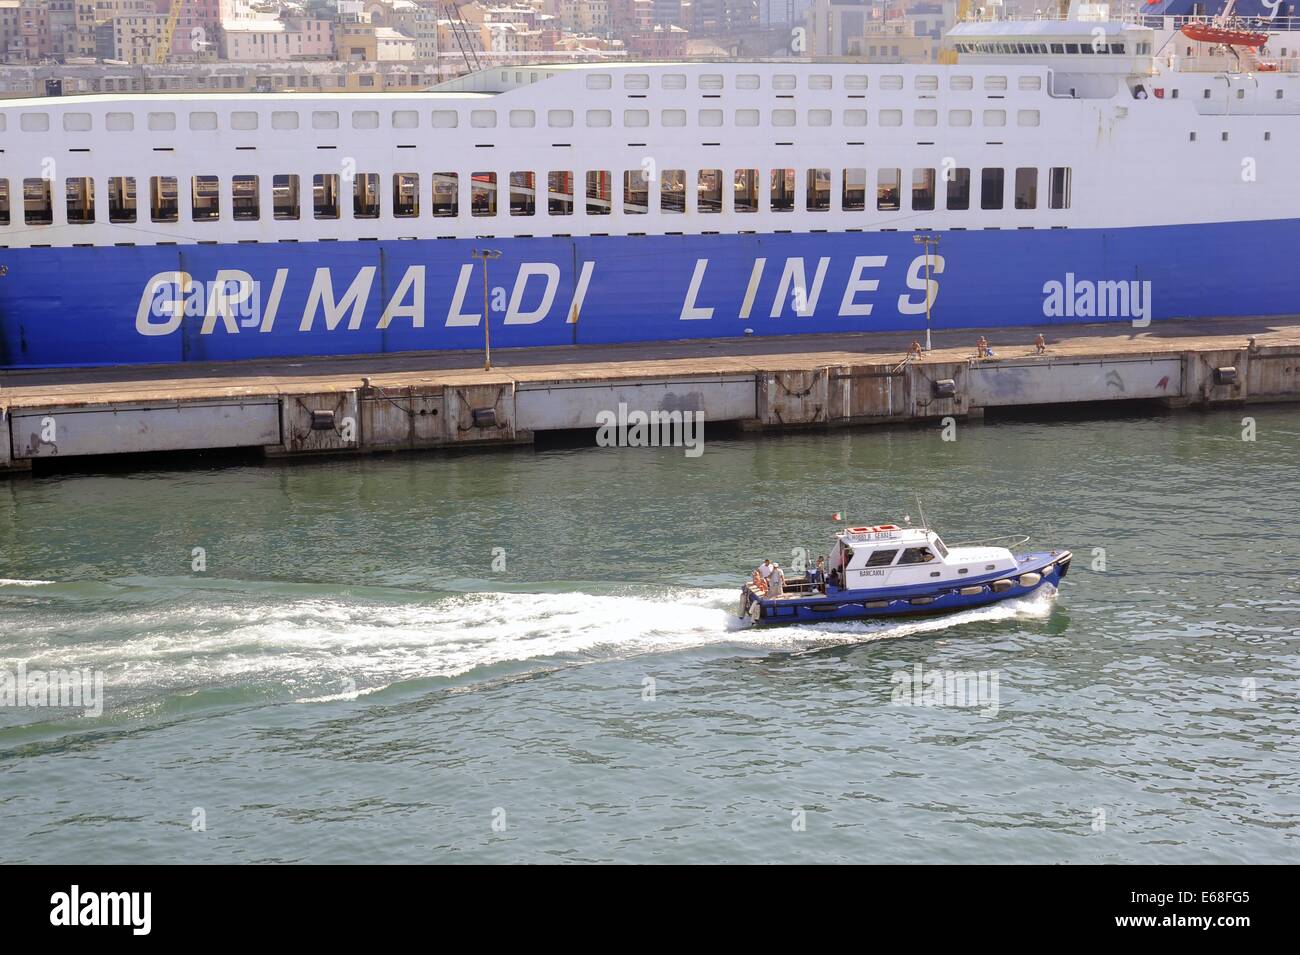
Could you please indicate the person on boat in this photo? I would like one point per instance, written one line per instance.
(759, 583)
(765, 571)
(817, 576)
(776, 582)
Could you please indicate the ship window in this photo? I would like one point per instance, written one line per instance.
(853, 194)
(1206, 95)
(325, 195)
(284, 197)
(559, 118)
(891, 117)
(711, 82)
(205, 198)
(673, 81)
(483, 118)
(783, 117)
(636, 81)
(76, 122)
(559, 193)
(818, 190)
(1058, 47)
(995, 117)
(925, 117)
(916, 555)
(522, 119)
(819, 117)
(365, 119)
(118, 122)
(939, 546)
(891, 82)
(672, 117)
(855, 117)
(959, 117)
(819, 81)
(991, 180)
(881, 558)
(747, 81)
(782, 190)
(523, 193)
(203, 121)
(245, 206)
(406, 195)
(923, 190)
(38, 206)
(783, 81)
(1026, 117)
(746, 117)
(636, 192)
(708, 191)
(855, 82)
(960, 83)
(598, 81)
(284, 120)
(444, 119)
(4, 201)
(710, 117)
(446, 194)
(959, 188)
(483, 194)
(1071, 48)
(1027, 187)
(887, 189)
(405, 119)
(746, 190)
(636, 118)
(600, 187)
(1058, 187)
(365, 195)
(995, 83)
(672, 190)
(162, 199)
(1117, 48)
(243, 120)
(599, 118)
(81, 200)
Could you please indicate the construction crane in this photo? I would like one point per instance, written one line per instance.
(164, 48)
(460, 30)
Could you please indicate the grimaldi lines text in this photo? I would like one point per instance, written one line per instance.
(1088, 170)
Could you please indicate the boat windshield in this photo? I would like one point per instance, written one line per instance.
(938, 545)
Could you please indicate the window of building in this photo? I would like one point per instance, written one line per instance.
(782, 196)
(887, 189)
(672, 190)
(406, 195)
(819, 190)
(81, 200)
(163, 199)
(559, 193)
(483, 194)
(245, 205)
(991, 185)
(959, 188)
(205, 198)
(600, 192)
(923, 190)
(746, 190)
(1058, 187)
(1027, 187)
(446, 194)
(523, 193)
(365, 195)
(325, 195)
(853, 193)
(708, 191)
(636, 192)
(284, 197)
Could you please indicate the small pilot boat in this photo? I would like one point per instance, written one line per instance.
(893, 571)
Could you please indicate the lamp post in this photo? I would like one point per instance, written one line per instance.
(927, 239)
(486, 254)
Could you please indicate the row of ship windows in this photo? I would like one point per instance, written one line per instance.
(525, 119)
(1012, 49)
(561, 195)
(788, 82)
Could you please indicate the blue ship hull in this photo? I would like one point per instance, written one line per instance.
(92, 306)
(839, 605)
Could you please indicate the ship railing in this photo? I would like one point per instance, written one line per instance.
(1226, 64)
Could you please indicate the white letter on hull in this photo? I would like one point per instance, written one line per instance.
(219, 303)
(793, 272)
(916, 280)
(751, 291)
(454, 316)
(412, 281)
(689, 310)
(850, 308)
(174, 308)
(322, 291)
(526, 271)
(273, 303)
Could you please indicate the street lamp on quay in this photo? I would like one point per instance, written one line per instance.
(486, 254)
(927, 239)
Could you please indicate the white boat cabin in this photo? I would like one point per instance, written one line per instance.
(888, 556)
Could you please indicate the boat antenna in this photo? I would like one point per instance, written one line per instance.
(921, 508)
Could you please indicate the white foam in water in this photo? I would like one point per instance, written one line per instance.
(324, 648)
(10, 582)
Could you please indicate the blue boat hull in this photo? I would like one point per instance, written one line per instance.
(840, 605)
(122, 305)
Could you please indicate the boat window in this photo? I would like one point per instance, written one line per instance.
(1027, 187)
(599, 192)
(819, 190)
(672, 190)
(1058, 189)
(991, 188)
(483, 194)
(887, 187)
(365, 195)
(121, 199)
(406, 195)
(923, 190)
(782, 190)
(245, 207)
(81, 200)
(853, 193)
(284, 197)
(205, 198)
(882, 558)
(4, 201)
(325, 195)
(939, 546)
(916, 555)
(636, 192)
(523, 193)
(746, 185)
(162, 198)
(446, 194)
(708, 191)
(559, 193)
(959, 188)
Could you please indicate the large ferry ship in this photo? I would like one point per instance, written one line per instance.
(1082, 168)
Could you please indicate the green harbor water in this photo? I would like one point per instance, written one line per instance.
(532, 655)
